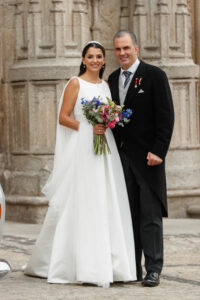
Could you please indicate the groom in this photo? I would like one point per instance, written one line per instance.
(143, 144)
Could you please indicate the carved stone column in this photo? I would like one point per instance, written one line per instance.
(105, 23)
(43, 50)
(197, 30)
(2, 97)
(164, 34)
(125, 14)
(194, 8)
(1, 76)
(40, 48)
(96, 24)
(1, 93)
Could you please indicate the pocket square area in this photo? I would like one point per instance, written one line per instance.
(140, 91)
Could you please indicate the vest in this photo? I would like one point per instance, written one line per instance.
(122, 90)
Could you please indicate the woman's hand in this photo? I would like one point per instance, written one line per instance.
(99, 129)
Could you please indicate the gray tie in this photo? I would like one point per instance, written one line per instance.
(127, 74)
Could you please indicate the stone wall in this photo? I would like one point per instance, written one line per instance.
(40, 49)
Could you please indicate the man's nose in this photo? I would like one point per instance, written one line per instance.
(122, 51)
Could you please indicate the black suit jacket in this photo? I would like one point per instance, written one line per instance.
(151, 125)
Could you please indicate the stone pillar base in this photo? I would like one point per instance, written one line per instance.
(26, 209)
(194, 211)
(181, 202)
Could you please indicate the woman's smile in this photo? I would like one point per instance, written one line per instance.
(94, 59)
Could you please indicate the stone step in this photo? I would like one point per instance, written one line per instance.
(194, 211)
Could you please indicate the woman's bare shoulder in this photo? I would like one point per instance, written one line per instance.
(74, 82)
(73, 85)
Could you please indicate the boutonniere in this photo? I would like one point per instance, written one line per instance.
(138, 81)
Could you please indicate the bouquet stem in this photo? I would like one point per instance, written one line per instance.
(100, 144)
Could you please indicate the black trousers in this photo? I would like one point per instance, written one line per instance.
(146, 212)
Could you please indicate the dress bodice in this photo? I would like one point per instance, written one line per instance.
(88, 91)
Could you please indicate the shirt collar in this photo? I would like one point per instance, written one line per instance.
(132, 68)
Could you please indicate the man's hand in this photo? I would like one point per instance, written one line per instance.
(153, 160)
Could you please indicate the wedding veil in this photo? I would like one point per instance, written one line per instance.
(62, 158)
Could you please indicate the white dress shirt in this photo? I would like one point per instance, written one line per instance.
(132, 69)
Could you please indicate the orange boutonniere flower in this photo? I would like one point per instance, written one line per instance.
(138, 81)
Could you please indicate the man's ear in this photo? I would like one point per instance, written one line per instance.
(137, 48)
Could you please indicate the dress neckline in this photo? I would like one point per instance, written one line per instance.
(91, 82)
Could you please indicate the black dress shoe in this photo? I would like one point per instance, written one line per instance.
(151, 279)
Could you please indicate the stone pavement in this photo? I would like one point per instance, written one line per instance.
(180, 277)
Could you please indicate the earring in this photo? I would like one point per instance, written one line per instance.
(84, 66)
(103, 67)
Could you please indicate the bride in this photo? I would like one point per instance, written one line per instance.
(87, 234)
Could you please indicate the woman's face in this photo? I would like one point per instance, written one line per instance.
(94, 59)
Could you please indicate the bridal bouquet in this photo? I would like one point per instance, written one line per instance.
(109, 114)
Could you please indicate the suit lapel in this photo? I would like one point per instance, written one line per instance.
(134, 85)
(115, 87)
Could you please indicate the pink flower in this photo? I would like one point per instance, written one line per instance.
(104, 118)
(111, 124)
(104, 107)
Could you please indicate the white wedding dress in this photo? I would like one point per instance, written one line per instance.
(87, 233)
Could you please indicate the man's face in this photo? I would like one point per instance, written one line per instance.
(125, 51)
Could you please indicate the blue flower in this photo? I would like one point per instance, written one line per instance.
(129, 112)
(98, 103)
(124, 113)
(84, 102)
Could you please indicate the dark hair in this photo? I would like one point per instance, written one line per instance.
(85, 49)
(123, 32)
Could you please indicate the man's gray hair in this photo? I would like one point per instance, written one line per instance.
(123, 32)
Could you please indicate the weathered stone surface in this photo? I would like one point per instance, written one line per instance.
(27, 209)
(25, 212)
(23, 184)
(194, 210)
(26, 163)
(180, 200)
(183, 176)
(40, 49)
(180, 278)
